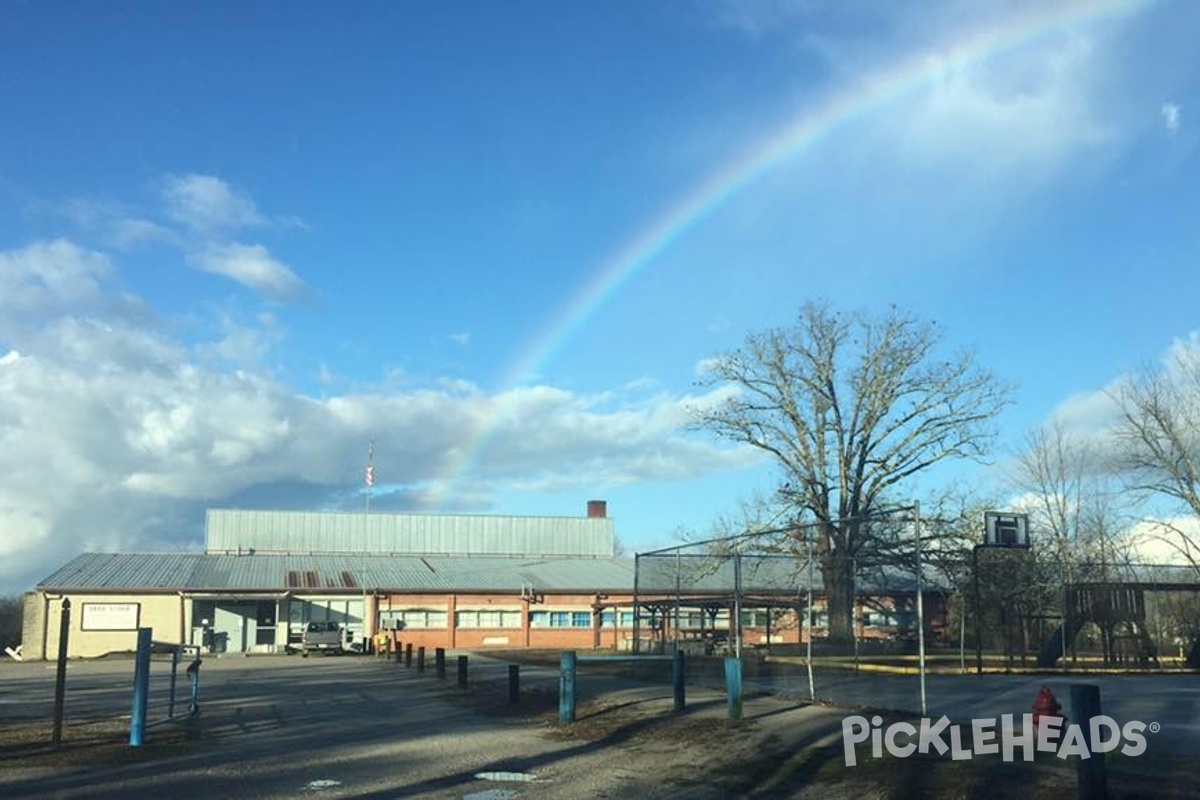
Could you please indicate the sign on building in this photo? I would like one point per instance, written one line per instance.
(111, 616)
(1006, 530)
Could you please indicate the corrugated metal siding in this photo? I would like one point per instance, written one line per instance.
(228, 531)
(341, 574)
(125, 571)
(354, 574)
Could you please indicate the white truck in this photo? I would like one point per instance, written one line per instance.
(324, 637)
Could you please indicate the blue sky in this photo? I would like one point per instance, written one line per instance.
(240, 241)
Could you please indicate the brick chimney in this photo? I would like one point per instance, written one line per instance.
(597, 509)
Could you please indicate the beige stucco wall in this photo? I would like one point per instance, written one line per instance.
(162, 613)
(32, 626)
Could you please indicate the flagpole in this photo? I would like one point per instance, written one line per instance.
(369, 475)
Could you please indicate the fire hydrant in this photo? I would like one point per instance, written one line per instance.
(1046, 705)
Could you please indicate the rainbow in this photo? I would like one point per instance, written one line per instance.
(796, 136)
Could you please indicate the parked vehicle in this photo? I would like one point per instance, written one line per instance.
(325, 637)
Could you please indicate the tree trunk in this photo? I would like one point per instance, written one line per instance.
(838, 575)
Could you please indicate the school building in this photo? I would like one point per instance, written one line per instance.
(453, 581)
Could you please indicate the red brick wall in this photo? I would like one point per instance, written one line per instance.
(790, 630)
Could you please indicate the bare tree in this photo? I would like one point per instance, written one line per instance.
(1158, 439)
(12, 609)
(1076, 514)
(849, 407)
(1070, 492)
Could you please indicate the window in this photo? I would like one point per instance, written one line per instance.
(560, 619)
(607, 618)
(487, 618)
(413, 618)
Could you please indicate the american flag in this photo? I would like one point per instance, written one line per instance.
(370, 474)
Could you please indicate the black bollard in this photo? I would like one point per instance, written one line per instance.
(439, 662)
(462, 672)
(677, 682)
(60, 677)
(421, 659)
(1091, 773)
(408, 654)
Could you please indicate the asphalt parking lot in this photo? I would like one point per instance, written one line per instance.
(279, 727)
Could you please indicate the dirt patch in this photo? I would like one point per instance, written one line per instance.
(91, 744)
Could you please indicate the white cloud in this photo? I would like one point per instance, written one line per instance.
(1014, 118)
(1174, 541)
(242, 344)
(46, 279)
(1171, 117)
(116, 435)
(760, 17)
(208, 204)
(116, 224)
(462, 338)
(251, 265)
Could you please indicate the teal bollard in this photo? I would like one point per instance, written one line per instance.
(566, 688)
(733, 687)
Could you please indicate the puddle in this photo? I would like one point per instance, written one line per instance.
(316, 786)
(508, 777)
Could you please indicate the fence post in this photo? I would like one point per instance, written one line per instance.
(193, 671)
(462, 672)
(733, 686)
(141, 688)
(421, 659)
(439, 662)
(514, 683)
(60, 677)
(677, 680)
(408, 654)
(566, 688)
(174, 672)
(1091, 773)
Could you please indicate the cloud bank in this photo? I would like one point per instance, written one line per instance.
(116, 434)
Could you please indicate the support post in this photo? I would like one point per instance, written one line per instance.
(141, 688)
(60, 676)
(978, 611)
(439, 662)
(462, 672)
(193, 671)
(737, 605)
(174, 673)
(1091, 773)
(808, 620)
(733, 687)
(677, 680)
(920, 606)
(566, 688)
(637, 615)
(514, 683)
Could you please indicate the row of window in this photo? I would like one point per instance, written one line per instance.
(498, 619)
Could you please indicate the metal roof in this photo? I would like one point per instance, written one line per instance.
(344, 574)
(662, 573)
(235, 531)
